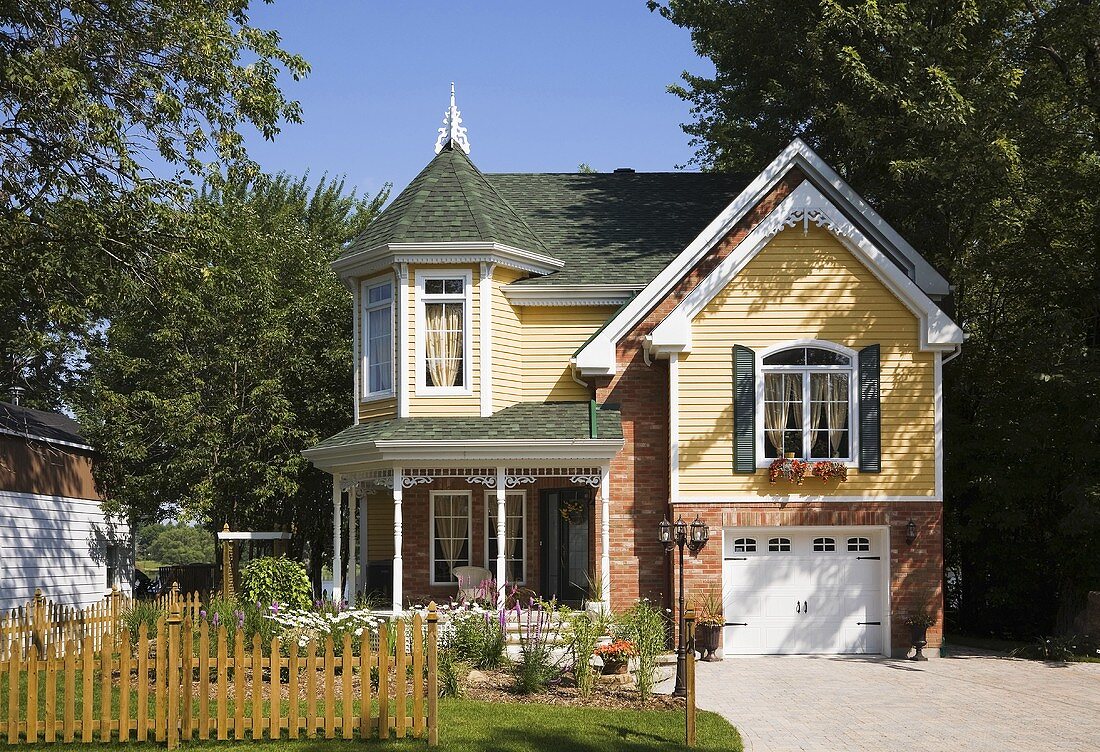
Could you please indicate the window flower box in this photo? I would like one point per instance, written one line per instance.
(789, 469)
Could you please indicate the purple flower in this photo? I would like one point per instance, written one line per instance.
(202, 613)
(240, 619)
(275, 607)
(216, 620)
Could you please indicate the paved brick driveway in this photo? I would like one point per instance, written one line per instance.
(848, 704)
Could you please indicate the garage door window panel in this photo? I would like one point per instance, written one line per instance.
(822, 545)
(859, 544)
(779, 545)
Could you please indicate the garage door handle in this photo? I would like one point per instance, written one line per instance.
(798, 607)
(737, 624)
(869, 623)
(737, 558)
(805, 607)
(876, 558)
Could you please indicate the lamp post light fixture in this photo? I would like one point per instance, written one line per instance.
(910, 532)
(694, 537)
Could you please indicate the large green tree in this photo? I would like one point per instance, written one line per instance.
(974, 127)
(206, 386)
(100, 101)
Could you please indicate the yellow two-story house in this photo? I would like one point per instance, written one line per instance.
(547, 366)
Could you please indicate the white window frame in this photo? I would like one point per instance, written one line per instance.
(364, 334)
(467, 299)
(431, 527)
(859, 541)
(823, 541)
(491, 533)
(853, 398)
(779, 541)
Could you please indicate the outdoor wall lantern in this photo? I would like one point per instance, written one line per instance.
(910, 532)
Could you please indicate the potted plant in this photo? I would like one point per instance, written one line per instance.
(829, 469)
(708, 626)
(919, 621)
(616, 656)
(788, 468)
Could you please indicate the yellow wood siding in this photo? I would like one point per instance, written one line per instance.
(425, 404)
(379, 526)
(375, 409)
(551, 334)
(806, 287)
(507, 343)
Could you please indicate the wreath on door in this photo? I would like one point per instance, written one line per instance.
(573, 511)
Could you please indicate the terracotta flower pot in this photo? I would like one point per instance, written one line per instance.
(614, 666)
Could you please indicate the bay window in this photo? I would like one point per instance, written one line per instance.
(444, 325)
(377, 339)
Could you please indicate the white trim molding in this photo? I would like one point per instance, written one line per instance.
(346, 458)
(369, 260)
(805, 204)
(485, 337)
(569, 295)
(362, 337)
(673, 427)
(598, 356)
(401, 380)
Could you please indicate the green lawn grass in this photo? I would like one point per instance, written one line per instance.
(474, 725)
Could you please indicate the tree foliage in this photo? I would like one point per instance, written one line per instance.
(974, 126)
(204, 389)
(93, 96)
(175, 544)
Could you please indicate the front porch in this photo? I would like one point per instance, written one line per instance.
(544, 528)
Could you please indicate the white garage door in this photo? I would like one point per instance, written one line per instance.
(791, 591)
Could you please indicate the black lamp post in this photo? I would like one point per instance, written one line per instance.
(678, 535)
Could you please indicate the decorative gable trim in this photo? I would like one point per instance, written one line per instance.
(382, 256)
(598, 357)
(805, 205)
(569, 295)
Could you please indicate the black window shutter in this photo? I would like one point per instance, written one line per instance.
(870, 450)
(744, 410)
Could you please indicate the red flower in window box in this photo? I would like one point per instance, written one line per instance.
(787, 468)
(828, 469)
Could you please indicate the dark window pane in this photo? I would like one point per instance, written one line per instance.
(815, 356)
(793, 357)
(453, 286)
(433, 286)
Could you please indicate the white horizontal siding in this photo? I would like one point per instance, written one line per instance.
(61, 545)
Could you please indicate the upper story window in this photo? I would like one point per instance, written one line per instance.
(808, 394)
(444, 322)
(378, 339)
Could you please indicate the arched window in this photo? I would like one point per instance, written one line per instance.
(824, 544)
(859, 544)
(744, 545)
(808, 398)
(779, 544)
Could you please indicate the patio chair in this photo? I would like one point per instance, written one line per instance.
(469, 581)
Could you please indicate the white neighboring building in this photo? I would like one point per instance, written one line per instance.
(53, 532)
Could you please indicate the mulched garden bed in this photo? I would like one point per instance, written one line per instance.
(609, 692)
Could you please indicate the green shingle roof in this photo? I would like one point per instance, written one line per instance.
(450, 200)
(530, 421)
(620, 227)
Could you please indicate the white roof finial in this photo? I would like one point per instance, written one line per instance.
(452, 130)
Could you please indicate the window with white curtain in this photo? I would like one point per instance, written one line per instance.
(515, 534)
(378, 339)
(443, 310)
(450, 511)
(807, 404)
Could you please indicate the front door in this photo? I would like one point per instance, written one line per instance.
(565, 517)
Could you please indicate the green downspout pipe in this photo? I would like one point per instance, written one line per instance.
(593, 432)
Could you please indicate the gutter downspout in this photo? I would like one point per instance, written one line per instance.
(593, 428)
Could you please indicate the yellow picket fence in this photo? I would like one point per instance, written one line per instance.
(191, 684)
(43, 623)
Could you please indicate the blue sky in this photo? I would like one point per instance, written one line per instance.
(541, 86)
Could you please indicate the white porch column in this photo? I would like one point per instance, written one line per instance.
(353, 496)
(398, 489)
(363, 541)
(337, 554)
(502, 520)
(605, 532)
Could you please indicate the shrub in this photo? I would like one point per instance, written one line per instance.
(583, 634)
(450, 674)
(480, 639)
(537, 667)
(1063, 649)
(269, 580)
(141, 612)
(644, 625)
